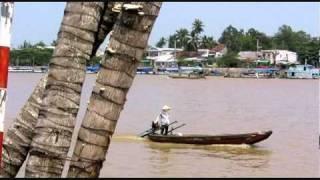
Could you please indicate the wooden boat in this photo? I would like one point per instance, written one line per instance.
(186, 76)
(248, 138)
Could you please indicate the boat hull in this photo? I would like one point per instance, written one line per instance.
(186, 76)
(248, 138)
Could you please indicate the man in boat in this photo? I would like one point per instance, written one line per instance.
(162, 121)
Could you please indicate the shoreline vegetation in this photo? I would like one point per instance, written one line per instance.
(235, 40)
(34, 58)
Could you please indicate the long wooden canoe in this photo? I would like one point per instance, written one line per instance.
(247, 138)
(186, 76)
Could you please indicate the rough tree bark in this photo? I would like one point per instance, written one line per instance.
(118, 68)
(61, 97)
(19, 136)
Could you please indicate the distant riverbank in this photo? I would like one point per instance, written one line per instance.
(207, 71)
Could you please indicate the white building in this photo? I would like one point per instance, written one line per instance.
(218, 51)
(164, 61)
(162, 57)
(154, 51)
(249, 55)
(46, 47)
(204, 52)
(280, 56)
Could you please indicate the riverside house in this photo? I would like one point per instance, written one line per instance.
(161, 58)
(271, 56)
(305, 71)
(218, 51)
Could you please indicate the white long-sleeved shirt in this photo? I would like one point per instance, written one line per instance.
(163, 118)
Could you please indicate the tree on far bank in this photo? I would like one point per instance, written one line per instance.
(229, 60)
(182, 37)
(25, 44)
(197, 29)
(207, 42)
(231, 37)
(161, 42)
(53, 43)
(40, 44)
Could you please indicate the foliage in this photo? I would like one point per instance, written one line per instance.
(161, 42)
(54, 43)
(40, 44)
(211, 60)
(207, 42)
(30, 56)
(231, 37)
(197, 29)
(183, 62)
(229, 60)
(25, 44)
(171, 40)
(309, 51)
(182, 37)
(36, 54)
(191, 40)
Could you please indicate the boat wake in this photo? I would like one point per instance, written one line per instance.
(127, 138)
(245, 146)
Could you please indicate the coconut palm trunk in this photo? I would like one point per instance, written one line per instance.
(61, 96)
(18, 139)
(118, 68)
(20, 134)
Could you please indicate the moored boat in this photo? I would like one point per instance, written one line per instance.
(186, 76)
(246, 138)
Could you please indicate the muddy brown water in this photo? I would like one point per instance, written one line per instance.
(214, 105)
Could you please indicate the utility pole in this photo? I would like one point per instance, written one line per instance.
(175, 48)
(6, 11)
(258, 49)
(305, 61)
(319, 59)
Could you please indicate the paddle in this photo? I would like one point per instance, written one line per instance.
(176, 128)
(147, 132)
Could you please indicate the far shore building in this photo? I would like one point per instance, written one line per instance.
(280, 56)
(249, 56)
(161, 57)
(168, 57)
(218, 51)
(272, 56)
(155, 51)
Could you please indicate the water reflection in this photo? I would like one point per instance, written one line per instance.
(243, 155)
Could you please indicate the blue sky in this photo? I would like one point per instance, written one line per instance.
(35, 21)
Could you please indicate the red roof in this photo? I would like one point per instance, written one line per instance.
(218, 48)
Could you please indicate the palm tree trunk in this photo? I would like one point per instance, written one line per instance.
(109, 18)
(61, 97)
(19, 136)
(127, 45)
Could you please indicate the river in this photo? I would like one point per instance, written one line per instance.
(215, 105)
